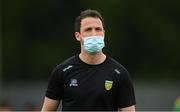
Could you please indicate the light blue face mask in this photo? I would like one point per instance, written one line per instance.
(93, 44)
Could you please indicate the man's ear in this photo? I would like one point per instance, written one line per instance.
(77, 35)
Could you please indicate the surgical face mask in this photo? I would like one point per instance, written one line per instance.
(93, 44)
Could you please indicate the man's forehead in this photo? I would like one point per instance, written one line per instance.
(91, 21)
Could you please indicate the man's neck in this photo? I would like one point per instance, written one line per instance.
(92, 59)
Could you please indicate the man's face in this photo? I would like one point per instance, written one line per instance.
(90, 27)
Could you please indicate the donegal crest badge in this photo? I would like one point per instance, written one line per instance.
(108, 85)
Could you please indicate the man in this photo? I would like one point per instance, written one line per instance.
(90, 80)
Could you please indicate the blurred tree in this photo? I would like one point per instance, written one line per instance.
(142, 35)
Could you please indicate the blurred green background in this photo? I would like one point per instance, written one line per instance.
(143, 35)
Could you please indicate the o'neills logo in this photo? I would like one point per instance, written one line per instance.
(73, 82)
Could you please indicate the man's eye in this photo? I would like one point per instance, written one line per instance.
(98, 29)
(88, 29)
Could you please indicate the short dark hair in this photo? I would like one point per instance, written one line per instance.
(85, 14)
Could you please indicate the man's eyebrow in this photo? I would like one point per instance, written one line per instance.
(98, 28)
(88, 28)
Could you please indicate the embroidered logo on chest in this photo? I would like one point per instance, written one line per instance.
(108, 85)
(73, 82)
